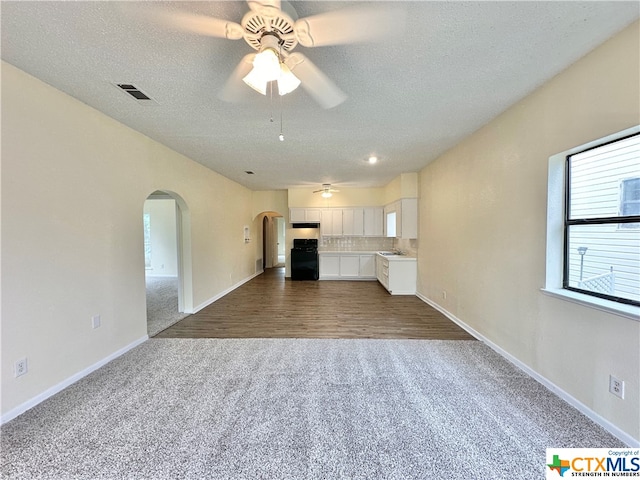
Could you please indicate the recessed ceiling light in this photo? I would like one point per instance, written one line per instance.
(372, 159)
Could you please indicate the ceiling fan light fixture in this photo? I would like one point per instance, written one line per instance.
(266, 65)
(287, 82)
(327, 194)
(267, 62)
(256, 81)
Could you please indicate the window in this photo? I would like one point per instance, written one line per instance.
(602, 219)
(391, 224)
(630, 197)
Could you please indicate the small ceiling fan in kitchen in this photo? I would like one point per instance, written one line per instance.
(327, 191)
(273, 30)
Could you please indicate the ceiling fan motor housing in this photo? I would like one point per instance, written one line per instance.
(258, 27)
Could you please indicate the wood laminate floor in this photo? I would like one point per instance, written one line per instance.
(270, 306)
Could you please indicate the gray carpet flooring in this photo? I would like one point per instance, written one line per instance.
(162, 303)
(298, 409)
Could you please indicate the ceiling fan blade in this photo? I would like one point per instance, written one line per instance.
(266, 8)
(234, 89)
(350, 25)
(316, 83)
(199, 24)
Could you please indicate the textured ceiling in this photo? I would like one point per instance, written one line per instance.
(451, 68)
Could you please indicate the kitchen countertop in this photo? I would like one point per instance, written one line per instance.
(391, 258)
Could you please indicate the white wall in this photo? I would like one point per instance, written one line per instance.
(483, 230)
(163, 236)
(74, 183)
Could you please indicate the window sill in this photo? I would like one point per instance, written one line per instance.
(629, 311)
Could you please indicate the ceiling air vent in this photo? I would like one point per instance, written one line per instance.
(135, 92)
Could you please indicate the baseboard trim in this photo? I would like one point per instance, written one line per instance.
(225, 292)
(574, 402)
(20, 409)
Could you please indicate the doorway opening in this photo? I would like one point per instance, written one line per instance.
(273, 240)
(167, 260)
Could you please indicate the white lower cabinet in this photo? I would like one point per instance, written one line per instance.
(397, 274)
(329, 266)
(368, 266)
(347, 266)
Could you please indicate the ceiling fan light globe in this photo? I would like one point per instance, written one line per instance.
(287, 82)
(267, 63)
(256, 81)
(327, 194)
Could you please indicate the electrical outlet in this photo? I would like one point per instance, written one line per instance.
(616, 386)
(21, 367)
(444, 294)
(96, 321)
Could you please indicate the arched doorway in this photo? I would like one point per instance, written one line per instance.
(273, 239)
(167, 246)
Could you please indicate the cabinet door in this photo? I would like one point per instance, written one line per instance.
(349, 266)
(382, 271)
(336, 222)
(378, 267)
(358, 222)
(329, 266)
(368, 265)
(373, 222)
(352, 222)
(312, 215)
(326, 222)
(297, 215)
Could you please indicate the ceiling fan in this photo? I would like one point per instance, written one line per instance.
(273, 29)
(326, 190)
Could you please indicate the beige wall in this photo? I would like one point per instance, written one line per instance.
(74, 183)
(483, 231)
(270, 201)
(347, 197)
(404, 185)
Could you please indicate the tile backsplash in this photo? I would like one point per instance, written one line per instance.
(357, 244)
(367, 244)
(410, 247)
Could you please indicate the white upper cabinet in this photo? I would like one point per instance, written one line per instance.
(331, 222)
(352, 222)
(403, 215)
(362, 221)
(313, 215)
(373, 223)
(304, 215)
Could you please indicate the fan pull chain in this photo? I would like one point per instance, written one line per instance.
(271, 101)
(281, 136)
